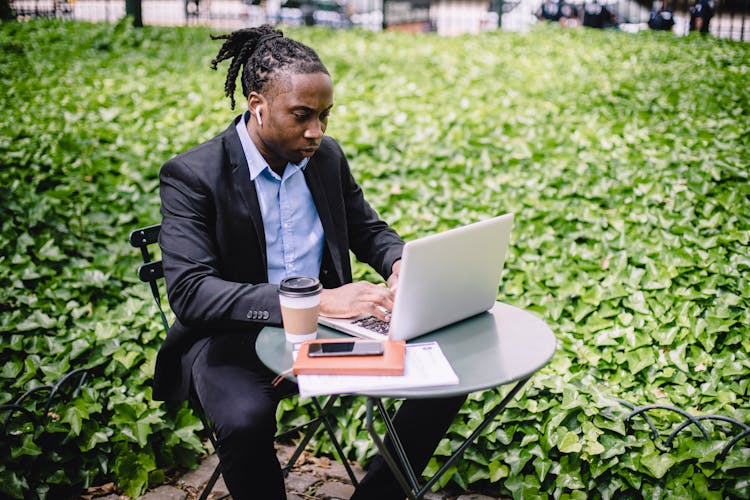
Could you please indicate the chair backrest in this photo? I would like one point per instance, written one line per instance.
(151, 271)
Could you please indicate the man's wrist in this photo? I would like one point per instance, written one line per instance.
(396, 267)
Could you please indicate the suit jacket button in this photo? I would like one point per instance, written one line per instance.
(266, 315)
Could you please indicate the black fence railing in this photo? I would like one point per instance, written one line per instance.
(731, 18)
(731, 430)
(35, 426)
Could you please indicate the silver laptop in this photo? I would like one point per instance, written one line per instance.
(445, 277)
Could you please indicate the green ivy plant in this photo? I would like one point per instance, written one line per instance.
(624, 156)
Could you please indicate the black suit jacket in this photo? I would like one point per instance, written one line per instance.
(214, 249)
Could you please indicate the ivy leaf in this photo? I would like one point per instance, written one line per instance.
(570, 443)
(133, 470)
(37, 319)
(12, 484)
(127, 358)
(658, 463)
(27, 448)
(11, 369)
(51, 252)
(498, 470)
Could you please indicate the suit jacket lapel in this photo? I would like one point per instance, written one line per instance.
(317, 189)
(246, 191)
(245, 187)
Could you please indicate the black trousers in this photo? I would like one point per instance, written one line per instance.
(235, 390)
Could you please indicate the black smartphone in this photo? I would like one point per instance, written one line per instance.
(345, 348)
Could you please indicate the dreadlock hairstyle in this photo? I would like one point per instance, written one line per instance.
(260, 52)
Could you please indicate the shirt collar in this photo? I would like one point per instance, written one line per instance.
(255, 161)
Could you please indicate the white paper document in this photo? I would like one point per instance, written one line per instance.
(425, 365)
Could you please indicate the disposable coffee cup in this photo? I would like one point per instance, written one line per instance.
(300, 304)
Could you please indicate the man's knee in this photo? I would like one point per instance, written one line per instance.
(251, 425)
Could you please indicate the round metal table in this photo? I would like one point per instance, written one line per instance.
(505, 345)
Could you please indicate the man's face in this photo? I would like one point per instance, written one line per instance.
(295, 116)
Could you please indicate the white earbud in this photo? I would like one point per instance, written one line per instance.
(257, 116)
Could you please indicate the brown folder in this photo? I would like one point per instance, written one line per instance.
(391, 362)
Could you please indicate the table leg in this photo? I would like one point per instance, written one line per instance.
(410, 484)
(384, 452)
(487, 420)
(336, 444)
(398, 446)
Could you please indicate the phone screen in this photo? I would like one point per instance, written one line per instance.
(345, 348)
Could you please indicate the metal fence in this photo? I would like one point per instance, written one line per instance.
(446, 17)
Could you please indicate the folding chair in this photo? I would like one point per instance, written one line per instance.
(151, 272)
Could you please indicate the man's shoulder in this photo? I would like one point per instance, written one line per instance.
(329, 162)
(330, 147)
(329, 157)
(212, 152)
(213, 146)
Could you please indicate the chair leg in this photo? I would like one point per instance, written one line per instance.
(332, 434)
(211, 483)
(313, 425)
(309, 433)
(217, 470)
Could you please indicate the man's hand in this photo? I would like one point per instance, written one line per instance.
(393, 278)
(357, 298)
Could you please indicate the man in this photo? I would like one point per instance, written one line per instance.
(596, 15)
(661, 17)
(700, 15)
(549, 11)
(270, 197)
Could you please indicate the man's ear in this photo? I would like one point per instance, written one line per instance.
(255, 104)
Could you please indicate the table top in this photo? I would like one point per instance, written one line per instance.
(488, 350)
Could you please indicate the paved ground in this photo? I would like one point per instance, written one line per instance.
(311, 479)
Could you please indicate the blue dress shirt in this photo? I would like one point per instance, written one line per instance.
(294, 234)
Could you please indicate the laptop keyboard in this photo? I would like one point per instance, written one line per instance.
(373, 324)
